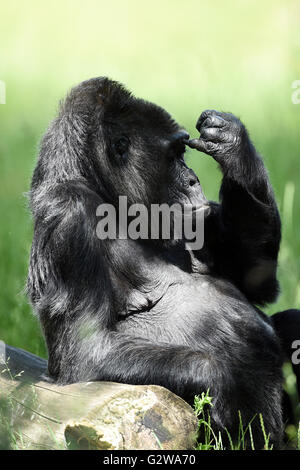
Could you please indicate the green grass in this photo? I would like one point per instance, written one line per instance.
(209, 440)
(238, 56)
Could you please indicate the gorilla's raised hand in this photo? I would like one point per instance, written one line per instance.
(222, 135)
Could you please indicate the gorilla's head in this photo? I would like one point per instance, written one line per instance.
(123, 146)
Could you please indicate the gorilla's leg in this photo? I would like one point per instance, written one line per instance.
(287, 326)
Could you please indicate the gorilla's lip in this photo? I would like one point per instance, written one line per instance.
(196, 207)
(196, 202)
(200, 207)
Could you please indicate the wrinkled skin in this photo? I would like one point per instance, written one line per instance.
(152, 312)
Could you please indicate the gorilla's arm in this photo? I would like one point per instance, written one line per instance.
(246, 221)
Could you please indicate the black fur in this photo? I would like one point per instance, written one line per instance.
(152, 312)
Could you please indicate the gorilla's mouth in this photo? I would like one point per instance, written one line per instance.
(196, 197)
(204, 205)
(195, 209)
(191, 200)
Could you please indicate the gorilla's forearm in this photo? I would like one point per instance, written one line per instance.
(250, 216)
(248, 220)
(244, 172)
(247, 200)
(250, 225)
(113, 356)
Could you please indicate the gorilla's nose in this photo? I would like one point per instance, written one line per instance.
(181, 136)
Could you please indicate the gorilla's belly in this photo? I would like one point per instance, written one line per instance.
(194, 308)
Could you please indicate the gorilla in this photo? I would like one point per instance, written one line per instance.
(151, 311)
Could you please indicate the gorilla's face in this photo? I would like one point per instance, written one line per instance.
(141, 153)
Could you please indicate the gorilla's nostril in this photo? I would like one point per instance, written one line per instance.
(193, 179)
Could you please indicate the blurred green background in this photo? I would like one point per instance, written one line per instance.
(239, 56)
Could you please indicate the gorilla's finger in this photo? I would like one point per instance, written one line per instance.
(213, 121)
(204, 146)
(197, 144)
(214, 134)
(208, 113)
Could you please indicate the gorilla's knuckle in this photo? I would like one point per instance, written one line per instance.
(212, 147)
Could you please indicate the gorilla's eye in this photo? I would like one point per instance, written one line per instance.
(122, 145)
